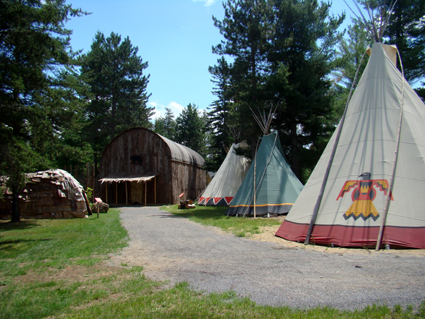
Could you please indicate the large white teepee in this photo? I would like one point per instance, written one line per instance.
(376, 179)
(226, 181)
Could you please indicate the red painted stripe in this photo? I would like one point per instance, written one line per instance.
(228, 199)
(216, 199)
(345, 236)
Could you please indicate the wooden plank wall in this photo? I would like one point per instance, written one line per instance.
(187, 179)
(137, 151)
(141, 151)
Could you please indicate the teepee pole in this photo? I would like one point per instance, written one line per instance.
(328, 168)
(396, 152)
(255, 171)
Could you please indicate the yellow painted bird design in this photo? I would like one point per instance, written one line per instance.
(364, 192)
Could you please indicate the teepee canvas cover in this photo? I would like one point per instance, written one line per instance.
(383, 116)
(226, 181)
(277, 186)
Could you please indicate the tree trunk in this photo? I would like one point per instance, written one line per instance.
(15, 207)
(294, 141)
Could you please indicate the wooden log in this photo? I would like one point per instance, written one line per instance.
(126, 194)
(145, 191)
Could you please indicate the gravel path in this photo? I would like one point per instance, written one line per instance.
(174, 249)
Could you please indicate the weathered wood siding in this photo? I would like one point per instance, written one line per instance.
(140, 151)
(187, 179)
(137, 151)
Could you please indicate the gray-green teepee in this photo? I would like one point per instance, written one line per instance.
(277, 187)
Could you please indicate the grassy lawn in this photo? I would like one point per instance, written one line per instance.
(59, 269)
(215, 216)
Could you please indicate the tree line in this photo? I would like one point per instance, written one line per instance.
(59, 107)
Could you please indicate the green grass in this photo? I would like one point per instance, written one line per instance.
(59, 269)
(215, 216)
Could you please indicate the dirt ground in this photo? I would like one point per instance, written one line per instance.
(267, 235)
(267, 269)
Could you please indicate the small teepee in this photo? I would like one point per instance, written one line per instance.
(367, 188)
(276, 186)
(226, 182)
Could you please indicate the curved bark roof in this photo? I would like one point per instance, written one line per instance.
(183, 153)
(179, 153)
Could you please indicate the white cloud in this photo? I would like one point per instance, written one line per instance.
(175, 107)
(207, 2)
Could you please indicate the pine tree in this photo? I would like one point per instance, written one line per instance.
(191, 129)
(352, 59)
(406, 29)
(247, 31)
(118, 86)
(34, 44)
(303, 52)
(166, 126)
(220, 127)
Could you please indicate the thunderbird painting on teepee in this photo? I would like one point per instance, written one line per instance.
(368, 187)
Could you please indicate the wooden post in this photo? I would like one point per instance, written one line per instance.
(126, 194)
(255, 171)
(116, 193)
(154, 181)
(98, 201)
(86, 177)
(106, 186)
(145, 191)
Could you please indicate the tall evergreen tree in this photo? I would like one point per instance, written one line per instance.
(114, 72)
(220, 127)
(169, 124)
(191, 129)
(304, 48)
(166, 126)
(247, 31)
(406, 29)
(34, 44)
(352, 56)
(282, 54)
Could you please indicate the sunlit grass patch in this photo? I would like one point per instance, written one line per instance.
(215, 216)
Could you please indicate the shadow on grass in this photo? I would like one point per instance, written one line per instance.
(27, 224)
(12, 248)
(202, 213)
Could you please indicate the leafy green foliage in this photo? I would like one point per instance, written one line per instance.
(190, 130)
(219, 121)
(248, 31)
(118, 100)
(283, 53)
(352, 59)
(406, 29)
(166, 126)
(34, 47)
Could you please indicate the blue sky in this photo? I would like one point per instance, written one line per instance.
(175, 37)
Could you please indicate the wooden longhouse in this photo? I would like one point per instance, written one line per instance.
(140, 166)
